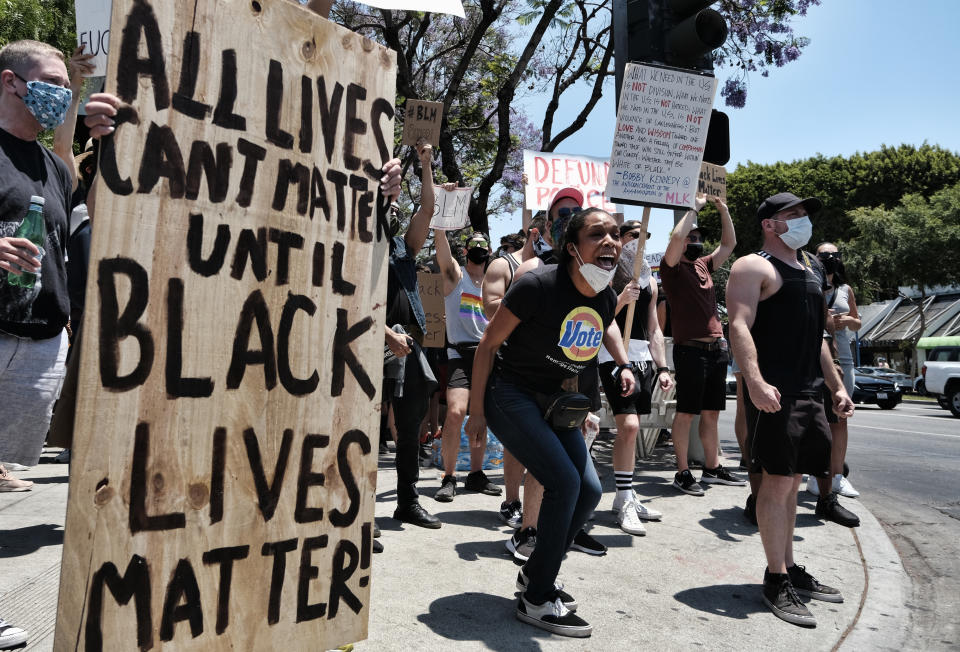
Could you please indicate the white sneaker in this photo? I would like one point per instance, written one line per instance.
(644, 512)
(812, 486)
(843, 487)
(11, 636)
(628, 519)
(13, 466)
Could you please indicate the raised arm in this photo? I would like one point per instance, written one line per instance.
(678, 239)
(419, 227)
(63, 135)
(448, 266)
(728, 235)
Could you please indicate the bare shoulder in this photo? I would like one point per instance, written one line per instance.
(497, 267)
(528, 265)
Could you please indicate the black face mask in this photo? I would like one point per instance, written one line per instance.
(830, 264)
(477, 255)
(693, 251)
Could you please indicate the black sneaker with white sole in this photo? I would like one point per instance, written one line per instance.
(780, 596)
(553, 617)
(806, 584)
(586, 543)
(511, 513)
(522, 543)
(683, 480)
(568, 600)
(720, 475)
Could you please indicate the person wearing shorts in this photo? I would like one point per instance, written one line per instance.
(465, 324)
(700, 353)
(774, 298)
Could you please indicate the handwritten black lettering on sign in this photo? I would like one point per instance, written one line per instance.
(223, 488)
(422, 120)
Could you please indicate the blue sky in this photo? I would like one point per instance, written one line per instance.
(876, 72)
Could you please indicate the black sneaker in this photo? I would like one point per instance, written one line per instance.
(511, 513)
(522, 543)
(683, 480)
(750, 511)
(377, 546)
(478, 481)
(414, 514)
(778, 594)
(553, 617)
(586, 543)
(376, 530)
(568, 600)
(830, 509)
(806, 584)
(447, 490)
(720, 475)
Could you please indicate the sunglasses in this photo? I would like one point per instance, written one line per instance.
(824, 255)
(482, 244)
(567, 211)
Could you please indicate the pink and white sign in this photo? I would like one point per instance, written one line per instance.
(548, 172)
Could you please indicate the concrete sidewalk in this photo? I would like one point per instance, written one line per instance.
(692, 581)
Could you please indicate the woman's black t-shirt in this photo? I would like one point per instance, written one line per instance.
(560, 330)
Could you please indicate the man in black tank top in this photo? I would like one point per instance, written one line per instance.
(777, 315)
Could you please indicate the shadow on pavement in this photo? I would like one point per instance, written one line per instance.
(736, 601)
(487, 619)
(475, 550)
(729, 524)
(27, 540)
(50, 480)
(486, 519)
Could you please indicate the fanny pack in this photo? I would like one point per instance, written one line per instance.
(564, 410)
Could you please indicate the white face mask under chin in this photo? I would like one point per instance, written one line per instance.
(596, 277)
(798, 232)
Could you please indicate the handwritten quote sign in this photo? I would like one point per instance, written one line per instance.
(713, 180)
(430, 287)
(93, 31)
(451, 210)
(224, 460)
(549, 172)
(661, 131)
(452, 7)
(422, 120)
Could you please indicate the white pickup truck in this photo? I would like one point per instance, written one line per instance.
(941, 376)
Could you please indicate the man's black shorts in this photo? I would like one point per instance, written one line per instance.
(701, 379)
(794, 440)
(459, 371)
(639, 401)
(828, 405)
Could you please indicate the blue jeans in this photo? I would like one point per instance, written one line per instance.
(560, 461)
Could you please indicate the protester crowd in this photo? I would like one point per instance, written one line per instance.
(534, 348)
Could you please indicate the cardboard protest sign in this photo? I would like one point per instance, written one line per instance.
(713, 180)
(452, 7)
(93, 31)
(451, 210)
(661, 131)
(549, 172)
(224, 459)
(422, 119)
(430, 287)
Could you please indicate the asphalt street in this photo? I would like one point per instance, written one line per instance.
(905, 462)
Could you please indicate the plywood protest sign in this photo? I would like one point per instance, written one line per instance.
(430, 287)
(549, 172)
(451, 211)
(661, 131)
(93, 31)
(713, 180)
(422, 119)
(222, 480)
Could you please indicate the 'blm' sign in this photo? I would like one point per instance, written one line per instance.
(222, 486)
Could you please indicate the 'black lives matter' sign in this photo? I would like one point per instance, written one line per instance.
(224, 463)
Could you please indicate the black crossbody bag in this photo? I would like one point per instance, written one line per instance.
(564, 410)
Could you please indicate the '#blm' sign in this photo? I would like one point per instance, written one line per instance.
(222, 485)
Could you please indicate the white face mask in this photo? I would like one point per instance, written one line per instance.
(596, 277)
(798, 232)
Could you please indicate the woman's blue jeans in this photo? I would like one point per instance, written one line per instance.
(560, 461)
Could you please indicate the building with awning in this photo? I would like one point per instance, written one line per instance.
(890, 328)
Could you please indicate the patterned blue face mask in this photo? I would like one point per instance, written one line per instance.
(47, 102)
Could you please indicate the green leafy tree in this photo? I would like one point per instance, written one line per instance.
(912, 244)
(50, 21)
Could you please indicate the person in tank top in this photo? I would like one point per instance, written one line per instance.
(777, 318)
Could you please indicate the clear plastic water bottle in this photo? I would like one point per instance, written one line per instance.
(34, 229)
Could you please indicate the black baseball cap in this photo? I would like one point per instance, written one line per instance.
(784, 200)
(630, 225)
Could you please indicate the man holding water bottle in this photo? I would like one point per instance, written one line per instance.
(35, 189)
